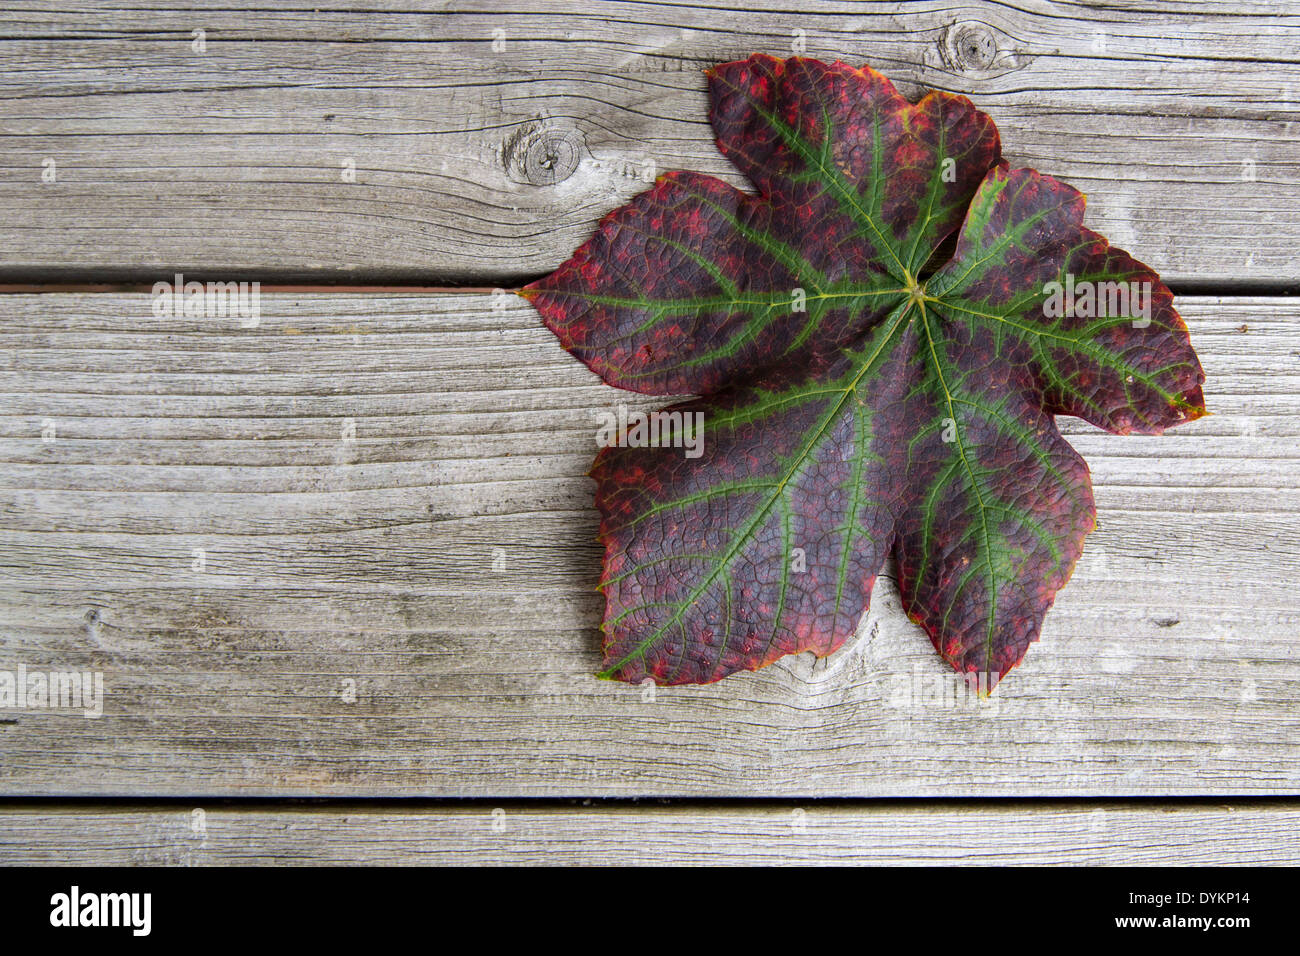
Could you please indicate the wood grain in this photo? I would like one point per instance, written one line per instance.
(485, 163)
(389, 495)
(621, 835)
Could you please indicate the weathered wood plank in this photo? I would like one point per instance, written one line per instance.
(1072, 834)
(1181, 120)
(389, 495)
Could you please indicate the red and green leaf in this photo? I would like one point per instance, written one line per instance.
(853, 408)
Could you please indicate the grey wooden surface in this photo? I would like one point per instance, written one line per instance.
(391, 490)
(1180, 120)
(387, 490)
(645, 834)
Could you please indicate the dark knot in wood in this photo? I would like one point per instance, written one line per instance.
(972, 47)
(542, 155)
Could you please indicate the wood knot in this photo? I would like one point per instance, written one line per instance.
(540, 155)
(970, 47)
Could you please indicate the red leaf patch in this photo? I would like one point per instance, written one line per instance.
(857, 401)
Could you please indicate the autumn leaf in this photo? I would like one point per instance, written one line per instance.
(858, 398)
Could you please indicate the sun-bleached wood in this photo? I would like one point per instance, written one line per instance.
(385, 496)
(409, 141)
(999, 834)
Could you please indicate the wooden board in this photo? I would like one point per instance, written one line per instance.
(619, 835)
(388, 495)
(349, 552)
(480, 142)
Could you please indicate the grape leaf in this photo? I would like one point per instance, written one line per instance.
(857, 399)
